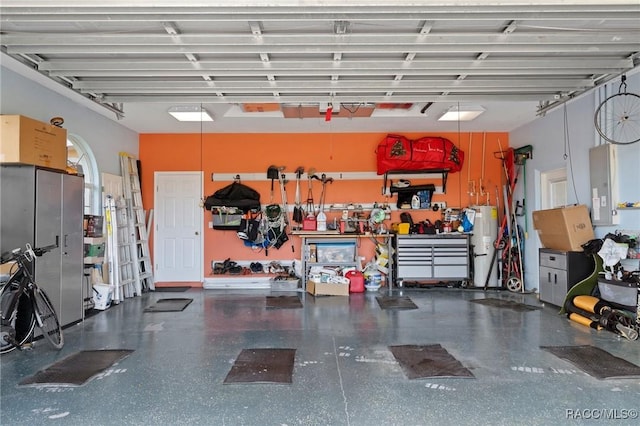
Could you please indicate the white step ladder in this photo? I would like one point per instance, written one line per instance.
(136, 220)
(129, 279)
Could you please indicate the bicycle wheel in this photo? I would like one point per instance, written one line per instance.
(617, 119)
(21, 326)
(48, 320)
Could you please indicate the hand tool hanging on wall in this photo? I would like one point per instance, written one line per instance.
(298, 211)
(322, 218)
(273, 173)
(310, 202)
(283, 196)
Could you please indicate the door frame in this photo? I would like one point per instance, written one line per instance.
(156, 175)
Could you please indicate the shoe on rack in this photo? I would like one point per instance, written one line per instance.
(228, 264)
(235, 269)
(256, 267)
(275, 268)
(218, 268)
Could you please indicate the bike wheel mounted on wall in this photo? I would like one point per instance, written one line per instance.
(617, 118)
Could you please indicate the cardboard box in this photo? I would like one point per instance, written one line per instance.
(28, 141)
(5, 270)
(565, 228)
(329, 289)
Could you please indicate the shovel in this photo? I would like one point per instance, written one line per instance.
(298, 211)
(273, 173)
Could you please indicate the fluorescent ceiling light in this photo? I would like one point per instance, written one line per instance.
(466, 113)
(190, 113)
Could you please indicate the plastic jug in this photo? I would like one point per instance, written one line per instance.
(321, 221)
(356, 281)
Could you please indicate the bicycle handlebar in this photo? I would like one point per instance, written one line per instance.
(15, 253)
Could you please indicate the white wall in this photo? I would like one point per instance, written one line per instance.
(106, 138)
(547, 136)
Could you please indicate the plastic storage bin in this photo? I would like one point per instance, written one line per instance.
(335, 252)
(619, 292)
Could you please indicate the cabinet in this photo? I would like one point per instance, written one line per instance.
(441, 257)
(561, 270)
(330, 250)
(44, 207)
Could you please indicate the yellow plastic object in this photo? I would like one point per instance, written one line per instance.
(584, 321)
(403, 228)
(586, 303)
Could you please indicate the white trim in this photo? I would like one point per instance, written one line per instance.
(246, 282)
(262, 177)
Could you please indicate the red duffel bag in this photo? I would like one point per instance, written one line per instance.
(428, 153)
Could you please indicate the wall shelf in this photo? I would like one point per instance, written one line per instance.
(443, 172)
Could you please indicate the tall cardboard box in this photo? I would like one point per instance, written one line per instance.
(28, 141)
(564, 228)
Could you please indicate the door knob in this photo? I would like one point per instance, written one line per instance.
(197, 233)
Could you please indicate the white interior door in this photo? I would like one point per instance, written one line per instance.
(179, 220)
(111, 185)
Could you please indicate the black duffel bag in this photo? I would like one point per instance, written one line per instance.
(228, 205)
(235, 195)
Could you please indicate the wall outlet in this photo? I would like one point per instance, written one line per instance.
(210, 225)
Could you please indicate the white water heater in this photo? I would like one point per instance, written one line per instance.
(485, 233)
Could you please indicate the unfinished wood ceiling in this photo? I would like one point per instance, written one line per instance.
(306, 53)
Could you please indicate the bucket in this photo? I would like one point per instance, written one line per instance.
(356, 281)
(373, 278)
(102, 294)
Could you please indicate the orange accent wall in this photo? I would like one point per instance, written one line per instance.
(327, 153)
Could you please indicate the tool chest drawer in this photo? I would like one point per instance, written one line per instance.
(553, 259)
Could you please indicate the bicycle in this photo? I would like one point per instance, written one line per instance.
(23, 304)
(617, 118)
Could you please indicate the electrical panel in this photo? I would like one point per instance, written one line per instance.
(604, 185)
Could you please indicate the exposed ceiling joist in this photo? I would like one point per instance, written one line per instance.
(244, 52)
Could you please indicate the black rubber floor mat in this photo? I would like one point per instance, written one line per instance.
(173, 289)
(509, 304)
(262, 366)
(76, 369)
(283, 302)
(595, 361)
(169, 305)
(424, 361)
(395, 302)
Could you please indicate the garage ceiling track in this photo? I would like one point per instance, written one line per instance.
(337, 54)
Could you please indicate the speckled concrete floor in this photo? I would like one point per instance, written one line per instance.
(344, 373)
